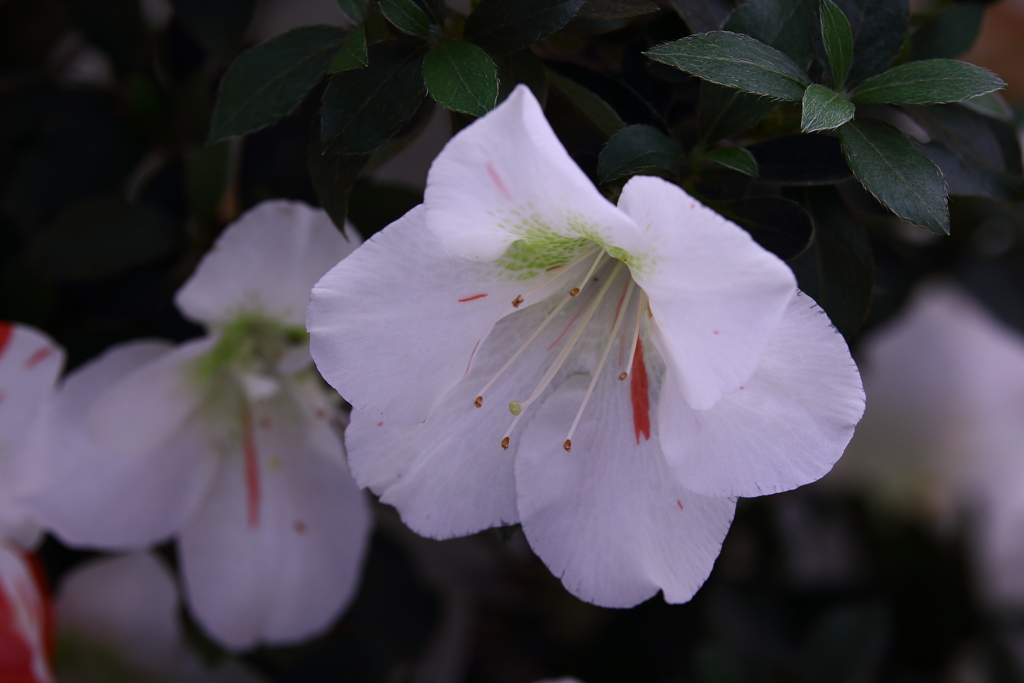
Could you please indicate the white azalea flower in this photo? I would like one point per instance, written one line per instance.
(117, 620)
(227, 442)
(29, 366)
(944, 429)
(520, 350)
(24, 633)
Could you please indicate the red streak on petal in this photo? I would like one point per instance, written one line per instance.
(471, 358)
(498, 183)
(472, 298)
(639, 395)
(20, 660)
(6, 332)
(680, 504)
(252, 469)
(40, 354)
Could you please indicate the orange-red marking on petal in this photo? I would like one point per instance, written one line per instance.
(6, 332)
(472, 298)
(498, 182)
(38, 356)
(639, 395)
(252, 470)
(471, 358)
(680, 504)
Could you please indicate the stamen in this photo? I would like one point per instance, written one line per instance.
(563, 270)
(479, 400)
(593, 267)
(556, 365)
(600, 366)
(636, 333)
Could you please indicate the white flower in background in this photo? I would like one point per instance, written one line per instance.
(228, 442)
(944, 431)
(520, 350)
(24, 627)
(30, 364)
(117, 620)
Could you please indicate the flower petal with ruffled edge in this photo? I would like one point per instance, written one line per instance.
(265, 262)
(281, 571)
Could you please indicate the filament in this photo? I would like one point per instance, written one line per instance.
(562, 271)
(636, 334)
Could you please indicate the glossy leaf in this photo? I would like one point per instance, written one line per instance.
(990, 104)
(461, 77)
(949, 34)
(801, 160)
(836, 269)
(726, 111)
(352, 54)
(268, 81)
(599, 112)
(838, 37)
(931, 81)
(736, 61)
(703, 15)
(779, 225)
(824, 109)
(365, 107)
(505, 26)
(736, 158)
(786, 25)
(896, 172)
(641, 149)
(355, 10)
(879, 27)
(406, 16)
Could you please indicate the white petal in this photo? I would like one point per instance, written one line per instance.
(608, 517)
(29, 365)
(397, 324)
(22, 620)
(265, 262)
(715, 294)
(89, 496)
(286, 571)
(507, 177)
(785, 427)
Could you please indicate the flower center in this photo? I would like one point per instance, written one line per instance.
(595, 258)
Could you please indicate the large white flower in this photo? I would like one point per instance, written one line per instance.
(944, 431)
(228, 442)
(29, 366)
(520, 350)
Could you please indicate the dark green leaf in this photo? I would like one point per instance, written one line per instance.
(365, 107)
(838, 37)
(355, 10)
(352, 54)
(736, 158)
(268, 81)
(931, 81)
(899, 175)
(836, 269)
(505, 26)
(948, 35)
(641, 150)
(736, 61)
(522, 67)
(599, 112)
(779, 225)
(703, 15)
(879, 27)
(786, 25)
(102, 237)
(615, 9)
(824, 109)
(461, 76)
(406, 16)
(727, 111)
(217, 25)
(990, 104)
(404, 137)
(801, 160)
(333, 176)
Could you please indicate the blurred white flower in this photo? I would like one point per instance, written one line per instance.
(229, 442)
(656, 362)
(943, 435)
(118, 621)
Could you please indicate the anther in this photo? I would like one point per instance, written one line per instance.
(504, 443)
(574, 291)
(479, 401)
(518, 300)
(515, 408)
(567, 445)
(622, 375)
